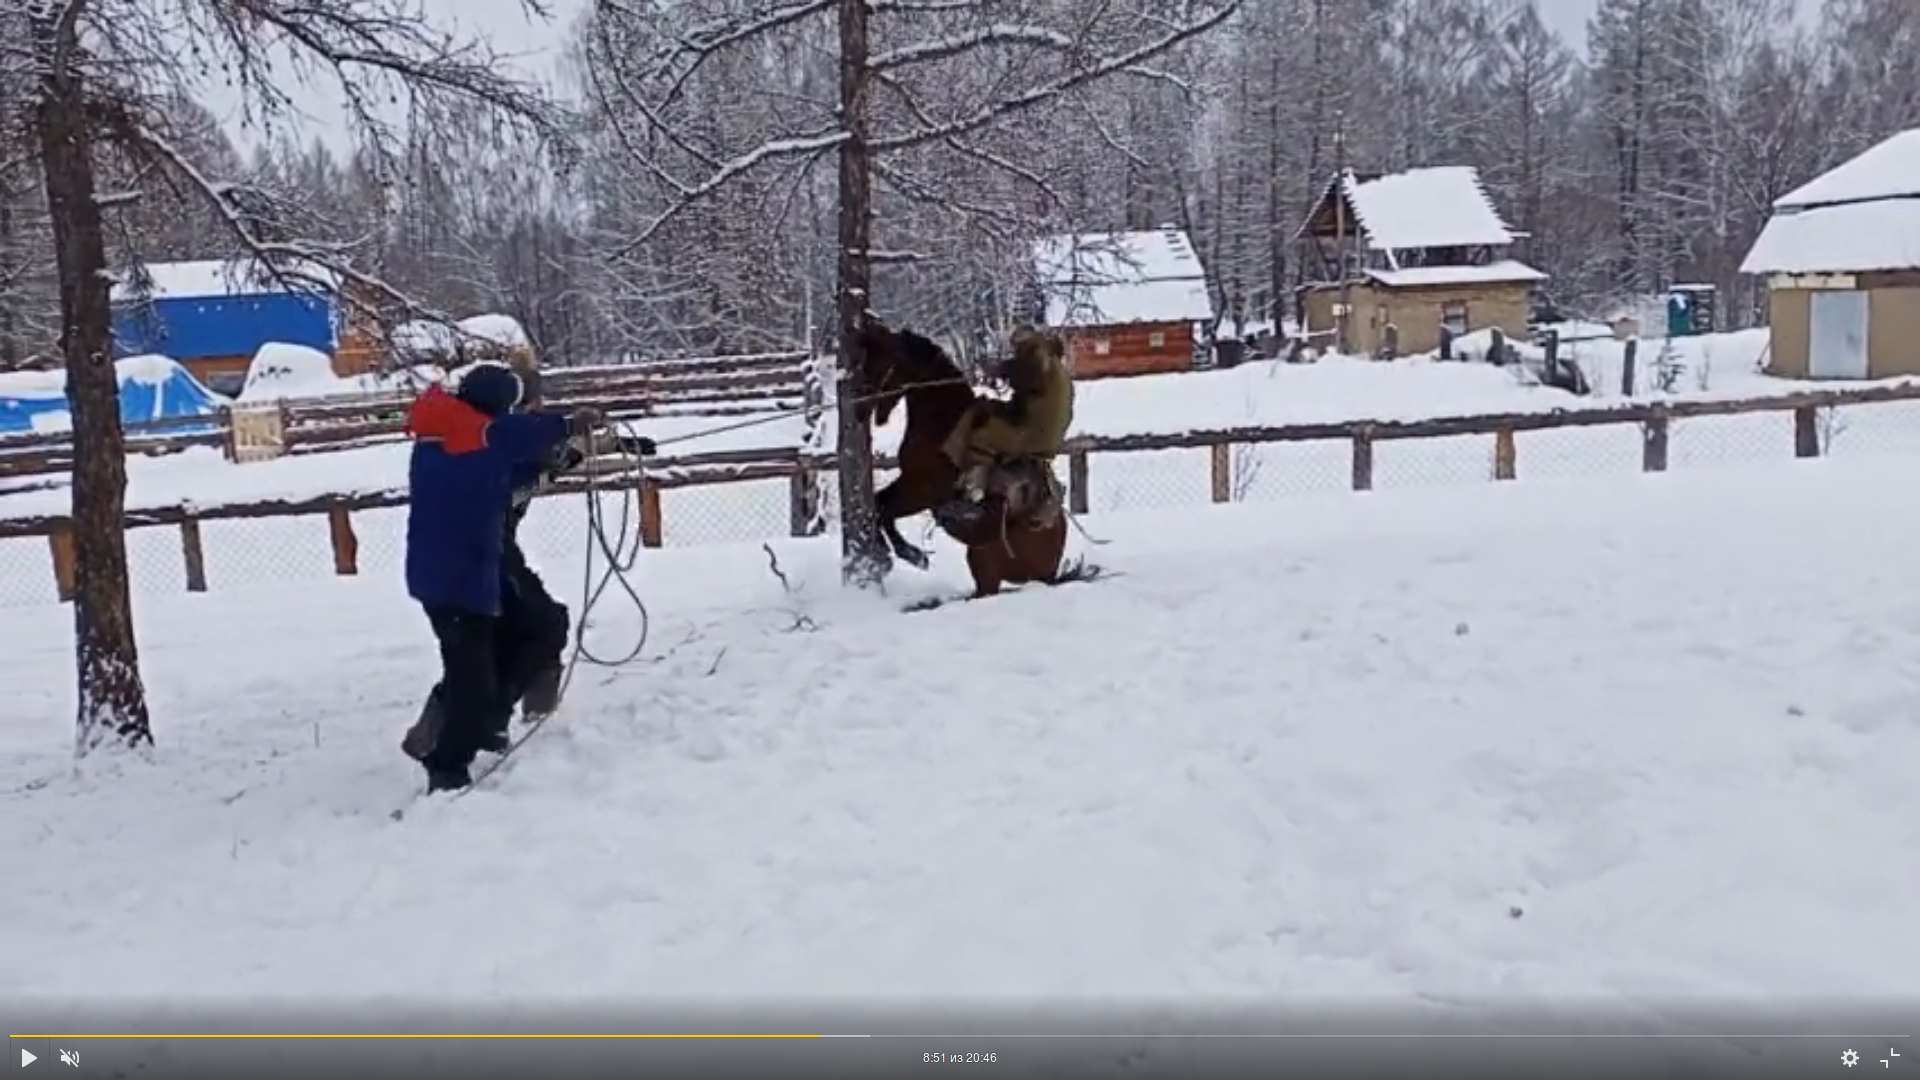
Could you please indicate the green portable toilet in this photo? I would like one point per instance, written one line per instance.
(1690, 310)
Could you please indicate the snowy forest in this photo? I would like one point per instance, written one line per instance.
(1646, 154)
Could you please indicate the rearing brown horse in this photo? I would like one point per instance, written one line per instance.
(1018, 534)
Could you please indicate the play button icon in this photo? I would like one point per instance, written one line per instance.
(26, 1057)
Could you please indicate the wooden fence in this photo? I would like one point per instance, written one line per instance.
(800, 469)
(713, 386)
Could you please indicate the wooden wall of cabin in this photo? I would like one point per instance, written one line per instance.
(1893, 328)
(357, 350)
(208, 369)
(1419, 313)
(1098, 352)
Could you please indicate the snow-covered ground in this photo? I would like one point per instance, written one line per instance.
(242, 554)
(1618, 746)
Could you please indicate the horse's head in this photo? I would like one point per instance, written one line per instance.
(897, 364)
(881, 380)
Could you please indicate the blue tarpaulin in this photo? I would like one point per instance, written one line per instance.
(151, 388)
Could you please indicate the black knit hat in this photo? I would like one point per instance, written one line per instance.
(494, 389)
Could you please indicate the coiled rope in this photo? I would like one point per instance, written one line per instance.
(612, 546)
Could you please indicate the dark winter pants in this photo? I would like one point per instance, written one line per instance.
(533, 632)
(469, 690)
(527, 642)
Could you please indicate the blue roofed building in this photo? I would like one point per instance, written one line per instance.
(212, 316)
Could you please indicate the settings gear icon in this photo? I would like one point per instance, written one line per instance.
(1849, 1058)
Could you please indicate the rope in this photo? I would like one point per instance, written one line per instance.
(620, 562)
(780, 414)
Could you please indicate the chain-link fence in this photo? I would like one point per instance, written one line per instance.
(246, 553)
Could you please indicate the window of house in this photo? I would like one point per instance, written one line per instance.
(1102, 346)
(1157, 340)
(1453, 317)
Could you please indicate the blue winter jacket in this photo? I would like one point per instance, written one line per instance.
(464, 468)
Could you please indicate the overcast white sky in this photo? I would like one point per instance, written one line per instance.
(537, 44)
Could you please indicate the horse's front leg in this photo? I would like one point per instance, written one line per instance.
(890, 504)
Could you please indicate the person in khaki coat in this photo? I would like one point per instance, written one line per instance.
(1031, 425)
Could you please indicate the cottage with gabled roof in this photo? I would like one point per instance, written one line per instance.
(1394, 263)
(1841, 255)
(1127, 303)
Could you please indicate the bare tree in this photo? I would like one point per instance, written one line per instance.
(919, 84)
(103, 73)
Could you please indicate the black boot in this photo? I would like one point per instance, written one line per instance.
(441, 778)
(542, 695)
(495, 742)
(424, 735)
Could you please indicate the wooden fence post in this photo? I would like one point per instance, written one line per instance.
(652, 530)
(346, 546)
(1077, 481)
(802, 497)
(1503, 455)
(1628, 359)
(1653, 446)
(1363, 459)
(60, 543)
(1220, 457)
(228, 448)
(1806, 432)
(193, 555)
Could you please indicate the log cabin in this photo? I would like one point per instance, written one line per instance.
(1127, 303)
(1393, 263)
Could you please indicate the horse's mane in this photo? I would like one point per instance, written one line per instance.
(923, 350)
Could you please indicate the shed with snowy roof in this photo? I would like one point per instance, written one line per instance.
(1841, 256)
(1127, 303)
(1423, 252)
(213, 315)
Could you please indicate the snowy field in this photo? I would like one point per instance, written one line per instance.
(1628, 745)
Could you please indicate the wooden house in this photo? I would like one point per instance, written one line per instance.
(1127, 303)
(212, 316)
(1393, 263)
(1841, 257)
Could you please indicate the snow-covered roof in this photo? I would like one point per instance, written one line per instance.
(432, 338)
(1444, 206)
(1850, 238)
(1112, 279)
(1503, 272)
(212, 278)
(1890, 169)
(502, 330)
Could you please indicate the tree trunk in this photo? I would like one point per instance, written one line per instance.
(112, 699)
(10, 301)
(864, 557)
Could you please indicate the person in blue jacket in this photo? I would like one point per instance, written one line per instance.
(531, 636)
(470, 449)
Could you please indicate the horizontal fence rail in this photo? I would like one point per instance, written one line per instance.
(711, 386)
(807, 476)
